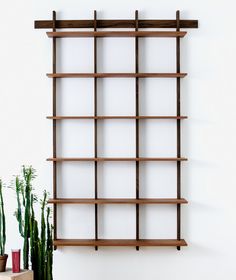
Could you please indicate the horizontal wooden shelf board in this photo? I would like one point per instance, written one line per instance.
(118, 159)
(118, 201)
(120, 242)
(113, 117)
(116, 23)
(76, 34)
(116, 75)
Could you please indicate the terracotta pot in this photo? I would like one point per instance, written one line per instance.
(3, 262)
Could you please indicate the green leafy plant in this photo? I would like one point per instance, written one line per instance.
(38, 245)
(2, 223)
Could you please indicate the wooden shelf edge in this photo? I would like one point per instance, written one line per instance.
(96, 34)
(118, 201)
(121, 242)
(116, 75)
(116, 159)
(114, 117)
(116, 23)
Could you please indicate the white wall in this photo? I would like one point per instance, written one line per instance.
(208, 95)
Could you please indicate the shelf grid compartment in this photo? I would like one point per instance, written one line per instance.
(136, 24)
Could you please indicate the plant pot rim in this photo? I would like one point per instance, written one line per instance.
(2, 257)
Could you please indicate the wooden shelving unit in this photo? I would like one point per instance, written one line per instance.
(136, 24)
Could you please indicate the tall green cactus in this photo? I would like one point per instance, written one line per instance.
(37, 246)
(49, 246)
(43, 235)
(2, 224)
(23, 189)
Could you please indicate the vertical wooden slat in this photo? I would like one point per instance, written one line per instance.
(178, 110)
(54, 106)
(137, 124)
(95, 131)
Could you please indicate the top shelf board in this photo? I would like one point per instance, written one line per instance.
(116, 23)
(76, 34)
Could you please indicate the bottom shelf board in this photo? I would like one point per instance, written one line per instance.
(119, 242)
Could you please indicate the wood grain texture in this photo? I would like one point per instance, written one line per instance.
(118, 201)
(178, 128)
(116, 23)
(117, 159)
(95, 130)
(78, 34)
(22, 275)
(116, 75)
(137, 105)
(54, 129)
(113, 117)
(120, 242)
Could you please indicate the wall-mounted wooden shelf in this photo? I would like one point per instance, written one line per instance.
(120, 242)
(78, 34)
(116, 117)
(96, 34)
(118, 201)
(118, 159)
(116, 23)
(116, 75)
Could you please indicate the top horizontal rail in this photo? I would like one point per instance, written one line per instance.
(116, 23)
(79, 34)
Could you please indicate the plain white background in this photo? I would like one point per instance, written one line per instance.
(208, 138)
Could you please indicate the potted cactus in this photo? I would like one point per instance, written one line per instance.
(37, 236)
(3, 256)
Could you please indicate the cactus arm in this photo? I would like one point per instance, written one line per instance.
(26, 253)
(36, 264)
(18, 212)
(1, 238)
(22, 191)
(26, 237)
(27, 177)
(2, 223)
(32, 247)
(49, 248)
(3, 243)
(43, 233)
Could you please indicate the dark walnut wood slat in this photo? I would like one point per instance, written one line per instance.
(76, 34)
(116, 23)
(137, 127)
(95, 131)
(54, 128)
(178, 127)
(113, 117)
(118, 159)
(116, 75)
(118, 201)
(120, 242)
